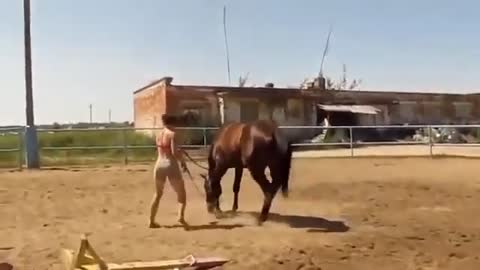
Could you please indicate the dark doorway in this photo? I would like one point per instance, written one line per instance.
(337, 118)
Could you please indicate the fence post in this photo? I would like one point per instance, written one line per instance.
(125, 149)
(20, 149)
(430, 140)
(32, 148)
(204, 130)
(351, 141)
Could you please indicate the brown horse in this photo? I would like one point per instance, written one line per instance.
(255, 146)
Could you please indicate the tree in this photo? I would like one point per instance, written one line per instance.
(242, 80)
(342, 84)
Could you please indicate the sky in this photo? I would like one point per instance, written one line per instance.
(100, 51)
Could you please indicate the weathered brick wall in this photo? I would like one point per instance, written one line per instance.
(149, 105)
(180, 98)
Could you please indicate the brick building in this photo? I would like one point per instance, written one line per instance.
(214, 105)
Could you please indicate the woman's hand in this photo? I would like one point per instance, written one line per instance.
(184, 166)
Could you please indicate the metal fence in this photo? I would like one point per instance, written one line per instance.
(12, 143)
(315, 138)
(429, 136)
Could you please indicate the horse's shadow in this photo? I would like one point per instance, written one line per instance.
(312, 224)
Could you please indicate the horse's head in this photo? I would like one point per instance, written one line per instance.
(210, 198)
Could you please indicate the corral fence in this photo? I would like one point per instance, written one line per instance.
(105, 145)
(11, 147)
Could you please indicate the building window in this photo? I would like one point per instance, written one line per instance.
(193, 116)
(463, 109)
(294, 108)
(278, 114)
(404, 112)
(248, 111)
(432, 112)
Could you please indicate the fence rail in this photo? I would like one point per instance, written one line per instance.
(16, 147)
(431, 138)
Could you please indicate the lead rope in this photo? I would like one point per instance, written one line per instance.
(187, 171)
(194, 161)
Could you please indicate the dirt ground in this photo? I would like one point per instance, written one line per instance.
(458, 150)
(390, 213)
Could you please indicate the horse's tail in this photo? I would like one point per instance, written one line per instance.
(285, 150)
(287, 167)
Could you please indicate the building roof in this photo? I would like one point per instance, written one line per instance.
(234, 90)
(155, 82)
(361, 109)
(259, 91)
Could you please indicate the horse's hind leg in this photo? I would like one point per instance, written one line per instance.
(236, 187)
(258, 174)
(277, 178)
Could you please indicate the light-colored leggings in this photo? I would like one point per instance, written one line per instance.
(172, 172)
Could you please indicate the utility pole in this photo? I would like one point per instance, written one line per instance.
(31, 142)
(226, 43)
(91, 117)
(109, 115)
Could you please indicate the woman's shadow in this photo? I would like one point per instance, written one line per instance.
(210, 226)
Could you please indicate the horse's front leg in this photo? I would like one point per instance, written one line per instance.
(213, 189)
(218, 193)
(217, 206)
(236, 187)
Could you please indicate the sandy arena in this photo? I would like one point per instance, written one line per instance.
(364, 213)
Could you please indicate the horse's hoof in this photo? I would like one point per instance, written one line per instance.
(261, 219)
(154, 225)
(218, 214)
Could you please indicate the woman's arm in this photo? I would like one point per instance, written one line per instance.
(176, 151)
(158, 141)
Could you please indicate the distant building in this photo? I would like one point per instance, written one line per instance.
(214, 105)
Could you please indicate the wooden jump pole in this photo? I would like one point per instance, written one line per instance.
(86, 258)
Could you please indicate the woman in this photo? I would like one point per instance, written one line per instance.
(166, 166)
